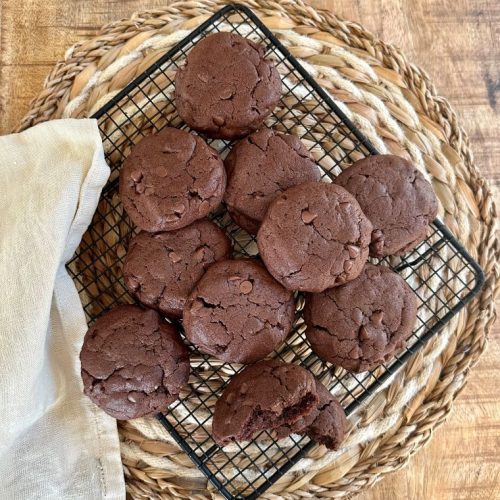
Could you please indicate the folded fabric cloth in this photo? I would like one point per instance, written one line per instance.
(54, 443)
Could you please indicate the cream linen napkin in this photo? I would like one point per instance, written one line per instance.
(54, 443)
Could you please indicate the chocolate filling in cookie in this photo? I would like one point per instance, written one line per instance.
(326, 424)
(263, 396)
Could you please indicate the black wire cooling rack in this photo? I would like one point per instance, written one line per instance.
(440, 271)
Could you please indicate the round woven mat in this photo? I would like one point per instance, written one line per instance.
(395, 105)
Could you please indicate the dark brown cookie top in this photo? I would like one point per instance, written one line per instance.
(227, 88)
(260, 167)
(314, 236)
(263, 396)
(171, 179)
(133, 365)
(326, 424)
(363, 323)
(396, 198)
(161, 269)
(237, 312)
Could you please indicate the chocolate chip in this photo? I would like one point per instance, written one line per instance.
(226, 94)
(136, 176)
(199, 255)
(348, 265)
(377, 317)
(307, 216)
(357, 315)
(353, 251)
(246, 287)
(174, 257)
(180, 208)
(196, 307)
(204, 207)
(355, 352)
(132, 283)
(140, 188)
(219, 120)
(363, 333)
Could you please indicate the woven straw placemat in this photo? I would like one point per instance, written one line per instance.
(396, 106)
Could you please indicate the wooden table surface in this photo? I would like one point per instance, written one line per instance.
(458, 43)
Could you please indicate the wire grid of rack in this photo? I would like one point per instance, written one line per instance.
(442, 274)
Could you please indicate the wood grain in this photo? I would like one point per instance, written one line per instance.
(457, 42)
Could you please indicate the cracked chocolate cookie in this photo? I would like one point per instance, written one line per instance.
(396, 198)
(227, 88)
(161, 269)
(133, 364)
(326, 424)
(260, 167)
(314, 236)
(171, 179)
(263, 396)
(363, 323)
(237, 312)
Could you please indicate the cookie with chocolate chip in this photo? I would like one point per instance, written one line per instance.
(161, 269)
(396, 198)
(237, 312)
(226, 88)
(314, 236)
(363, 323)
(133, 364)
(171, 179)
(263, 396)
(260, 167)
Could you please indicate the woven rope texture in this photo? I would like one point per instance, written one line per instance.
(395, 105)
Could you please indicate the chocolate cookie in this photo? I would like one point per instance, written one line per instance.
(396, 198)
(326, 424)
(133, 365)
(227, 88)
(314, 236)
(365, 322)
(161, 269)
(237, 312)
(263, 396)
(260, 167)
(171, 179)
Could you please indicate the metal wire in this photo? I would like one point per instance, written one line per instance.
(442, 274)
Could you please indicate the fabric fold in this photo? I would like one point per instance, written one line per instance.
(54, 443)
